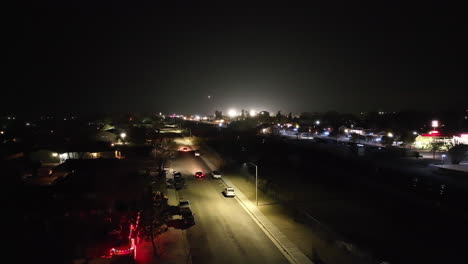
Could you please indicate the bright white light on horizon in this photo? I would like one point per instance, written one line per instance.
(435, 123)
(317, 122)
(232, 113)
(252, 113)
(390, 134)
(123, 135)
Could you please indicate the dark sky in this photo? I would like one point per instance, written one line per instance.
(114, 57)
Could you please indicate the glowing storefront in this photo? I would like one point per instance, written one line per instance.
(424, 141)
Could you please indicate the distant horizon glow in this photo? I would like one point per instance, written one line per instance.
(232, 113)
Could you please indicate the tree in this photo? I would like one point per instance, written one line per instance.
(386, 141)
(278, 116)
(243, 114)
(435, 146)
(137, 135)
(264, 117)
(165, 150)
(407, 138)
(218, 114)
(153, 218)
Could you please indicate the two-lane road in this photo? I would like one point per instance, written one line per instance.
(224, 232)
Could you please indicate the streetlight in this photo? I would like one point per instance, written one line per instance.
(256, 182)
(443, 158)
(123, 135)
(232, 113)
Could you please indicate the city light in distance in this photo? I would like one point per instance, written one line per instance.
(252, 113)
(232, 113)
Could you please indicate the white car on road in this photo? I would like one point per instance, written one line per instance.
(197, 154)
(216, 174)
(229, 192)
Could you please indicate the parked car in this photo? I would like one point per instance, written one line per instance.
(216, 174)
(199, 174)
(229, 192)
(184, 204)
(187, 216)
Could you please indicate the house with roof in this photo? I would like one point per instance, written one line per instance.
(59, 154)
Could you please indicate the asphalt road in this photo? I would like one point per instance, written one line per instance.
(224, 232)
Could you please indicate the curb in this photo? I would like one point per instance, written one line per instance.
(291, 252)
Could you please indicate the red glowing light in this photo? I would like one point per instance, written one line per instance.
(132, 247)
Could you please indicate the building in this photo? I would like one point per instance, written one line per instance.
(460, 139)
(56, 155)
(424, 141)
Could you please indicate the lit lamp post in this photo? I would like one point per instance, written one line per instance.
(123, 135)
(232, 113)
(256, 182)
(435, 125)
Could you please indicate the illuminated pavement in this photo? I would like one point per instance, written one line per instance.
(224, 232)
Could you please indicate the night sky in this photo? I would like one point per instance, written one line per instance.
(85, 57)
